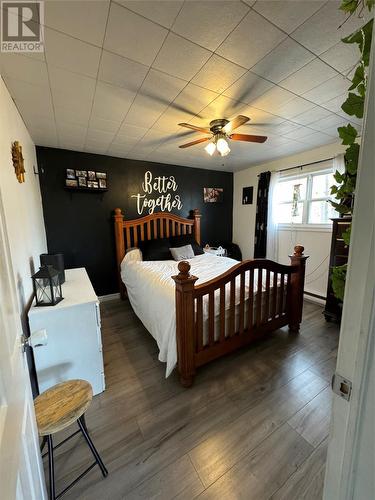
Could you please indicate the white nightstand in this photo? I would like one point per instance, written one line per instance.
(74, 346)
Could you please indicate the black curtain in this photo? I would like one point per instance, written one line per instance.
(260, 246)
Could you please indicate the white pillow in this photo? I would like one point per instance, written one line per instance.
(181, 253)
(133, 255)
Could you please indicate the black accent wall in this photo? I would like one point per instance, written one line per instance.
(80, 225)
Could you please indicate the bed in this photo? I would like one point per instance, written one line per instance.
(208, 306)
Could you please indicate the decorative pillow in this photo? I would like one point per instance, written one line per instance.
(155, 249)
(186, 239)
(181, 253)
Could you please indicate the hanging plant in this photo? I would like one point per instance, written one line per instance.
(344, 190)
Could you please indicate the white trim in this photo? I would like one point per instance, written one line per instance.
(108, 297)
(315, 300)
(318, 228)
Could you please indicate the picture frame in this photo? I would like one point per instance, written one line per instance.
(247, 195)
(71, 182)
(101, 175)
(213, 195)
(102, 183)
(91, 175)
(81, 173)
(82, 182)
(70, 173)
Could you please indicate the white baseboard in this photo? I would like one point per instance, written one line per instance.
(316, 300)
(110, 296)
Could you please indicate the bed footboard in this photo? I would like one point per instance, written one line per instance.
(235, 309)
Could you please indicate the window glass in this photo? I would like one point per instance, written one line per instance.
(321, 185)
(285, 189)
(321, 212)
(288, 214)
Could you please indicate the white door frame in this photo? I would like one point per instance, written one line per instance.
(357, 327)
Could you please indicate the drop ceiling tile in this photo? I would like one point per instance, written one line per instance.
(144, 111)
(163, 12)
(34, 122)
(23, 68)
(272, 99)
(287, 15)
(208, 23)
(35, 96)
(259, 118)
(181, 58)
(328, 90)
(335, 103)
(111, 103)
(325, 28)
(105, 125)
(96, 148)
(120, 71)
(132, 132)
(248, 88)
(73, 55)
(253, 38)
(73, 114)
(318, 139)
(284, 128)
(71, 132)
(342, 56)
(169, 120)
(99, 136)
(85, 20)
(193, 99)
(218, 74)
(300, 133)
(328, 122)
(222, 107)
(287, 58)
(294, 107)
(308, 77)
(162, 88)
(312, 115)
(118, 151)
(133, 36)
(123, 142)
(72, 145)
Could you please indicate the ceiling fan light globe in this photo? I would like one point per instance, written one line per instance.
(210, 148)
(222, 146)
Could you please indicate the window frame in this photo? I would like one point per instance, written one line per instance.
(305, 224)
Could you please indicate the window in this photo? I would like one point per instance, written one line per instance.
(303, 199)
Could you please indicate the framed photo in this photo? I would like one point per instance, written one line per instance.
(81, 173)
(247, 195)
(213, 195)
(82, 182)
(101, 175)
(91, 175)
(103, 183)
(71, 182)
(70, 173)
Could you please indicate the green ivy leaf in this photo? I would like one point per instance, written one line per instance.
(349, 5)
(354, 105)
(333, 189)
(346, 235)
(338, 177)
(359, 77)
(351, 158)
(340, 207)
(361, 89)
(338, 278)
(348, 134)
(363, 38)
(370, 4)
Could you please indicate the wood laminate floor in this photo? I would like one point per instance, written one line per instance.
(253, 426)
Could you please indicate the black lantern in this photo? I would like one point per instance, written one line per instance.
(47, 286)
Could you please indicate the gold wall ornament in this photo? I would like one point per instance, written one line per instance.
(18, 163)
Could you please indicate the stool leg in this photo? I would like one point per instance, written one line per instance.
(51, 468)
(92, 447)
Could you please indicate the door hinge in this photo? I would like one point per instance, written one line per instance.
(341, 386)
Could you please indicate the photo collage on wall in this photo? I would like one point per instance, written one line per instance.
(86, 179)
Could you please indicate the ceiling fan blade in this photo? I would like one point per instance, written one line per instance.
(235, 123)
(198, 129)
(248, 138)
(198, 141)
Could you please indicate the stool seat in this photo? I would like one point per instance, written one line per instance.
(61, 405)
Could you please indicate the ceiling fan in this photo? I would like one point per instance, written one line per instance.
(220, 131)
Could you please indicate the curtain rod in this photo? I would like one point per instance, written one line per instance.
(305, 165)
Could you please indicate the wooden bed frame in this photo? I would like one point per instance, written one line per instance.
(280, 303)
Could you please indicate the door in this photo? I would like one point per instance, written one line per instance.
(21, 471)
(350, 461)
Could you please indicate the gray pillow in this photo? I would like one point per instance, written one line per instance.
(181, 253)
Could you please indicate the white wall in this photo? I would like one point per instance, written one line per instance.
(316, 243)
(22, 202)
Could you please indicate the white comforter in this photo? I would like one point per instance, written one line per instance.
(151, 292)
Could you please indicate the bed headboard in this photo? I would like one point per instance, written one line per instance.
(128, 233)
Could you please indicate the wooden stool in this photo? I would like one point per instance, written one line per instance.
(57, 408)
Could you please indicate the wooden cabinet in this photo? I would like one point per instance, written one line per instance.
(338, 257)
(74, 345)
